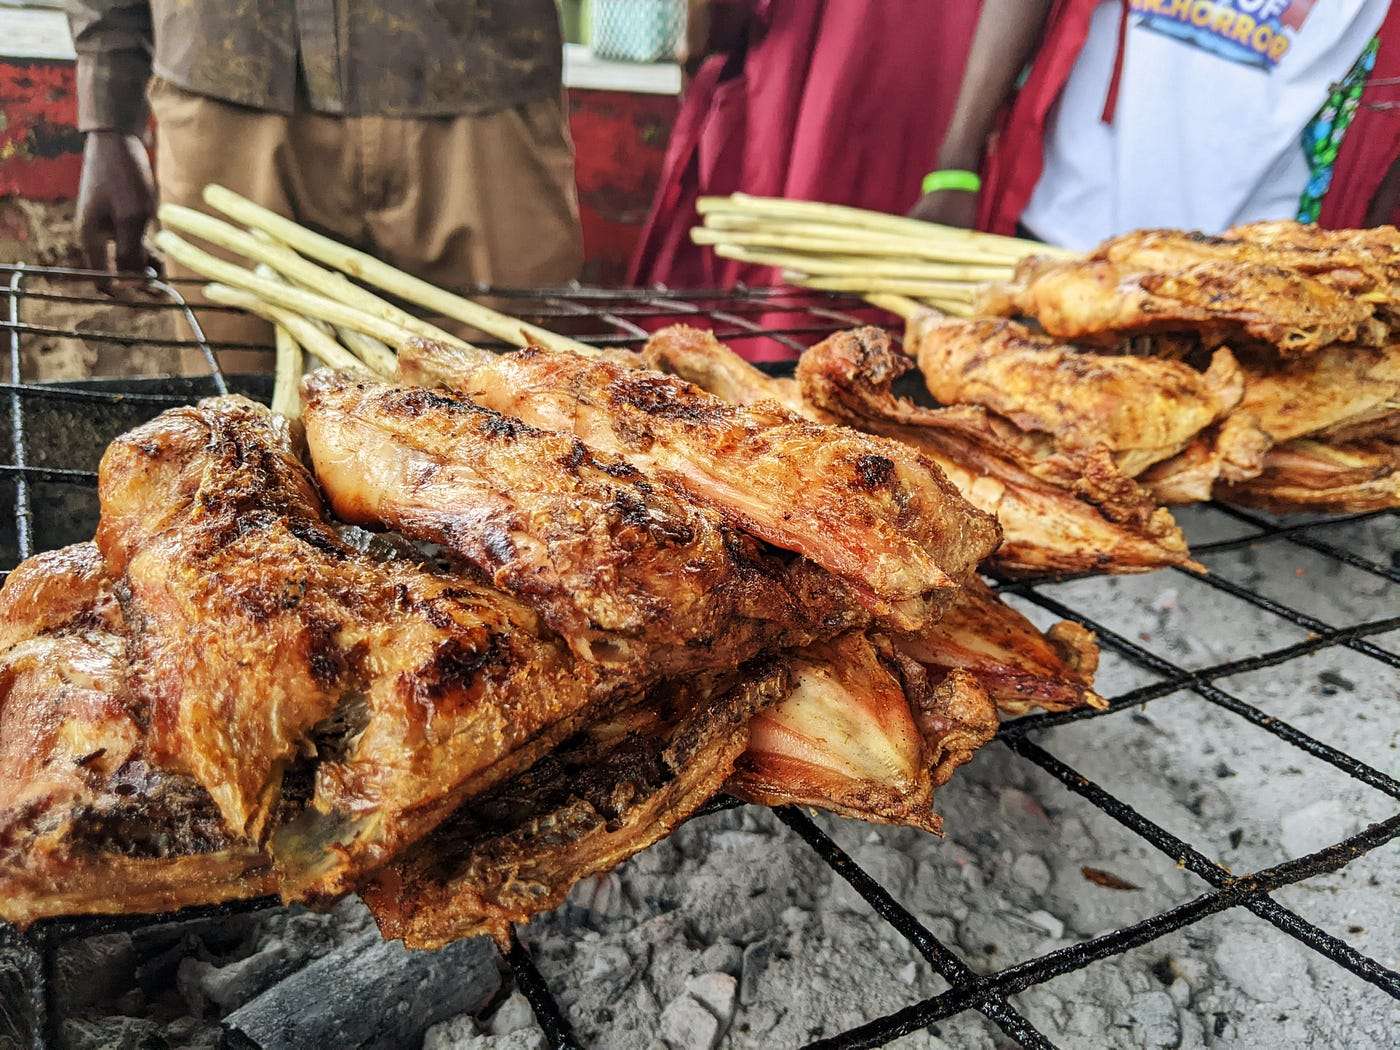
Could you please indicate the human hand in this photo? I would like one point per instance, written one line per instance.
(949, 207)
(116, 200)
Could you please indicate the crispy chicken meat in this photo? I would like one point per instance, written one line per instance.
(633, 575)
(1060, 509)
(1316, 476)
(1142, 410)
(90, 820)
(872, 512)
(615, 788)
(1096, 301)
(1355, 262)
(266, 642)
(1342, 392)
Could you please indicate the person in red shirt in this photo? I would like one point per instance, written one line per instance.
(825, 100)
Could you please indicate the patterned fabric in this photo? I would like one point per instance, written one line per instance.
(401, 58)
(1323, 136)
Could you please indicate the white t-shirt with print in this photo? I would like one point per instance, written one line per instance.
(1208, 128)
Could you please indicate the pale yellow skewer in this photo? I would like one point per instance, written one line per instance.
(303, 329)
(865, 285)
(900, 305)
(278, 293)
(286, 392)
(949, 306)
(825, 246)
(835, 265)
(843, 215)
(971, 251)
(285, 261)
(385, 277)
(370, 350)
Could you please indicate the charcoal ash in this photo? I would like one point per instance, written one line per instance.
(279, 978)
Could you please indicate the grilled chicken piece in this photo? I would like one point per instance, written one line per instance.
(89, 823)
(633, 575)
(1060, 510)
(265, 640)
(1335, 389)
(845, 740)
(696, 356)
(1097, 301)
(1308, 475)
(616, 788)
(1018, 667)
(1359, 267)
(1228, 451)
(1141, 409)
(871, 512)
(1369, 251)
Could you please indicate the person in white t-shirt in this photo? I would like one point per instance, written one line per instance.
(1193, 114)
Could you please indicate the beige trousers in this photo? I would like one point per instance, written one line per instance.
(453, 200)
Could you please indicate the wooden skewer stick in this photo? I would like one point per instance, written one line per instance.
(837, 265)
(899, 305)
(865, 285)
(385, 277)
(286, 393)
(278, 293)
(285, 261)
(969, 250)
(302, 329)
(824, 246)
(842, 215)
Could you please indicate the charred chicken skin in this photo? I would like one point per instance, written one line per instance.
(872, 512)
(1060, 510)
(1142, 410)
(634, 576)
(1097, 301)
(89, 821)
(262, 639)
(614, 789)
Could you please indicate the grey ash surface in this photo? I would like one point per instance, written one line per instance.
(734, 934)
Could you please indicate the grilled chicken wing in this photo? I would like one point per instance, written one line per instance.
(619, 786)
(1356, 268)
(696, 356)
(872, 512)
(845, 740)
(1018, 667)
(1231, 450)
(632, 574)
(1308, 475)
(1336, 389)
(1060, 510)
(89, 822)
(265, 640)
(1141, 409)
(1100, 302)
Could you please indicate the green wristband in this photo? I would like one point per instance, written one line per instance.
(952, 179)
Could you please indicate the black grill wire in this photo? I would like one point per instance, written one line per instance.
(744, 317)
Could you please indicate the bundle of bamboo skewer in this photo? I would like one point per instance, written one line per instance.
(897, 263)
(297, 279)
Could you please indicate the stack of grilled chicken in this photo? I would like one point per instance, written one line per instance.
(1261, 367)
(458, 640)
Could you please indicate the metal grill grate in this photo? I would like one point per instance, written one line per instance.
(739, 317)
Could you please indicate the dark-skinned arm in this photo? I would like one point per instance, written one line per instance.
(1007, 34)
(116, 194)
